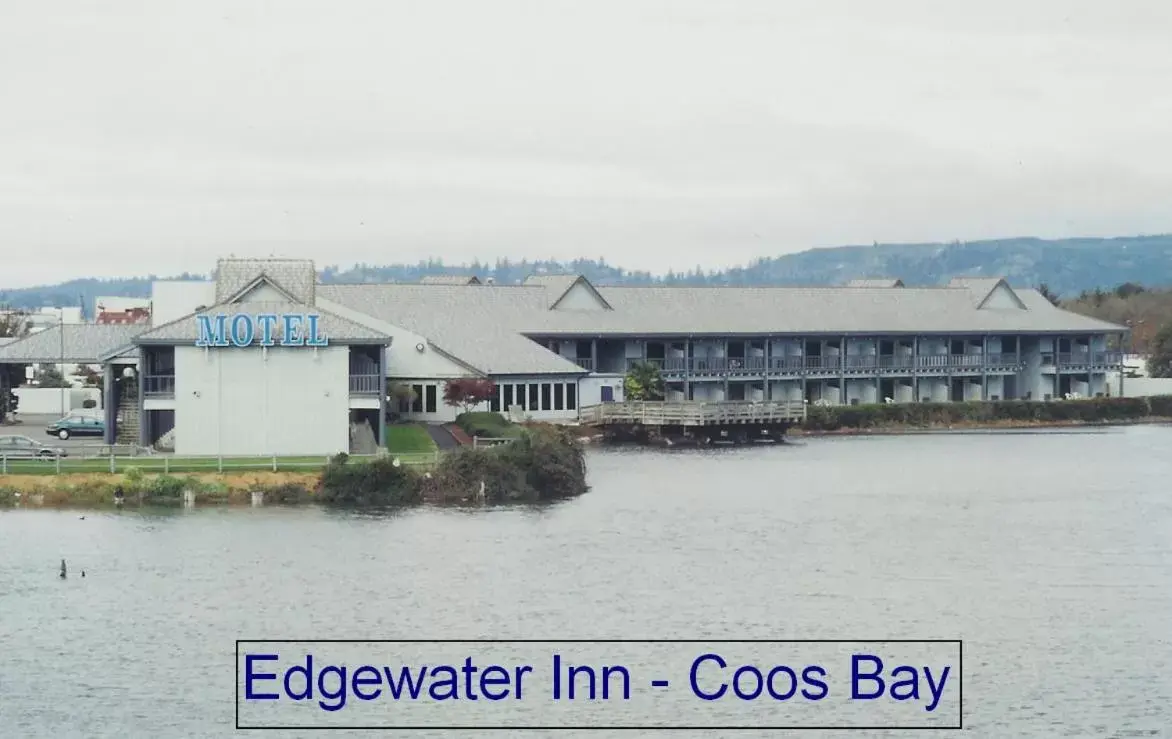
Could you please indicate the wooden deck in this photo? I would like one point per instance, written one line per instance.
(693, 413)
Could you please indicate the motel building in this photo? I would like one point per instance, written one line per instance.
(265, 359)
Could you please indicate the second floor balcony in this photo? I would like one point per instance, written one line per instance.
(158, 386)
(367, 384)
(1004, 362)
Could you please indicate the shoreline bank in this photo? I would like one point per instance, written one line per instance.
(543, 463)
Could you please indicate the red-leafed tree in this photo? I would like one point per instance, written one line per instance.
(469, 392)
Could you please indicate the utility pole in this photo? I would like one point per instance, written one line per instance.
(61, 365)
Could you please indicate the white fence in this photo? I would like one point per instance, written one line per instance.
(50, 401)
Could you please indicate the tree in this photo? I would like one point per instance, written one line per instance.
(1048, 294)
(1160, 356)
(402, 394)
(50, 376)
(13, 323)
(643, 382)
(469, 392)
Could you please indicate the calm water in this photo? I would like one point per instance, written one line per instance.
(1050, 554)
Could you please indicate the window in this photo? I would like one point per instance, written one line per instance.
(546, 403)
(533, 397)
(417, 403)
(507, 390)
(494, 404)
(520, 399)
(559, 397)
(430, 399)
(571, 396)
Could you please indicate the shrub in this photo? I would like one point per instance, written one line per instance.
(487, 424)
(545, 463)
(1088, 410)
(165, 490)
(1161, 405)
(377, 482)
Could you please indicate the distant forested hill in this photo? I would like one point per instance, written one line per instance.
(1067, 266)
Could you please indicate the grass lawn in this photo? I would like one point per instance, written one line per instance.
(409, 438)
(184, 465)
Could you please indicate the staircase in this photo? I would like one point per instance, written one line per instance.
(128, 420)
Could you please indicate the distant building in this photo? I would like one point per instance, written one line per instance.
(450, 280)
(117, 310)
(127, 317)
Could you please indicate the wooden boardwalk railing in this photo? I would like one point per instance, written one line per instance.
(693, 413)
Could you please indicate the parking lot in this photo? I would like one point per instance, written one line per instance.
(33, 426)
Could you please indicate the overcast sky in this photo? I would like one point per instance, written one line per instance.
(154, 136)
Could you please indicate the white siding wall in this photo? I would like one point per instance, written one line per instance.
(708, 391)
(289, 401)
(173, 299)
(786, 390)
(996, 386)
(590, 388)
(861, 347)
(903, 393)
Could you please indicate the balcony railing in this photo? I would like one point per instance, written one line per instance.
(158, 386)
(366, 384)
(867, 362)
(585, 363)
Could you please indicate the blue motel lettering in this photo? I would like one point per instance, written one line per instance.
(244, 329)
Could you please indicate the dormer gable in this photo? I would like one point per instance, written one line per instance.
(570, 292)
(989, 292)
(265, 280)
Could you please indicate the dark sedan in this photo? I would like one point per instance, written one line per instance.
(76, 425)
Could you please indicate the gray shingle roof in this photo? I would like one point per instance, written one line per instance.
(483, 325)
(335, 328)
(82, 343)
(297, 277)
(476, 324)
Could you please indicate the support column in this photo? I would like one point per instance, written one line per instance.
(109, 403)
(593, 355)
(142, 417)
(382, 397)
(842, 370)
(985, 368)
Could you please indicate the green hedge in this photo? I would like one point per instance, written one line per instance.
(1089, 410)
(488, 424)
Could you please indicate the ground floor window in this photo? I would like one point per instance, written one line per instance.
(536, 396)
(429, 400)
(417, 400)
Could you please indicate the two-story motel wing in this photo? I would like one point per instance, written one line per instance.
(264, 359)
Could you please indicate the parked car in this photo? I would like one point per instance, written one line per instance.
(22, 447)
(77, 425)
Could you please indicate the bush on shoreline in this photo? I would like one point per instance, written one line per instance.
(545, 463)
(1089, 410)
